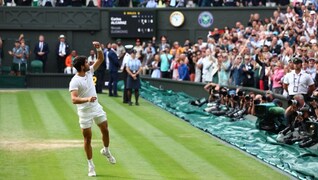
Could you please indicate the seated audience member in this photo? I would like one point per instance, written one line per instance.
(69, 63)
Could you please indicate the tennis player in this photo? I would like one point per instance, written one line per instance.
(83, 94)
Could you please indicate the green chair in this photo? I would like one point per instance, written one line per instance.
(36, 66)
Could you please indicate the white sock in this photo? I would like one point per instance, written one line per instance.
(90, 162)
(106, 149)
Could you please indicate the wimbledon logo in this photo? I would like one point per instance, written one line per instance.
(205, 19)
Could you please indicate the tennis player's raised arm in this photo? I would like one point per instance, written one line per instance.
(100, 55)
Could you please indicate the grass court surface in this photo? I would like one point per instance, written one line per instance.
(40, 139)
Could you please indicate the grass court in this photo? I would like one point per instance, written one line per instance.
(40, 138)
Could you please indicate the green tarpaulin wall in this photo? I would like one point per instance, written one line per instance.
(299, 162)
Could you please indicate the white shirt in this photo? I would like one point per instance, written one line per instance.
(41, 46)
(85, 87)
(125, 61)
(298, 83)
(91, 59)
(62, 49)
(207, 69)
(198, 71)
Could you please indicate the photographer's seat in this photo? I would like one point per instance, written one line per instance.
(36, 66)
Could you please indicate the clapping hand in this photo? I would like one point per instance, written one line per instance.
(96, 44)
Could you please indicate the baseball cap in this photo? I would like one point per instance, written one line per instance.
(61, 36)
(128, 47)
(138, 40)
(297, 60)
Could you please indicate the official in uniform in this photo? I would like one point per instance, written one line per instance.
(133, 80)
(298, 81)
(123, 69)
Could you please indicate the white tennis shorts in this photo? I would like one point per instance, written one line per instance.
(87, 116)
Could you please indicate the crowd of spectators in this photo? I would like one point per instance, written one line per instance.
(259, 54)
(152, 3)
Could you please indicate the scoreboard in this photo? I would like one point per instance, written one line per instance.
(132, 24)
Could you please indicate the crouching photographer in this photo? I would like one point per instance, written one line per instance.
(311, 126)
(213, 90)
(239, 104)
(218, 101)
(214, 97)
(297, 114)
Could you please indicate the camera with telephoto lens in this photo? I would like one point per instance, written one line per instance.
(312, 139)
(224, 91)
(257, 101)
(240, 93)
(293, 102)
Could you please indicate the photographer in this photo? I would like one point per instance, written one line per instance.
(295, 104)
(239, 104)
(313, 102)
(212, 89)
(297, 114)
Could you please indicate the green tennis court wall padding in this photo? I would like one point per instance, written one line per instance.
(8, 81)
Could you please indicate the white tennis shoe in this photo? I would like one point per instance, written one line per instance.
(108, 155)
(91, 171)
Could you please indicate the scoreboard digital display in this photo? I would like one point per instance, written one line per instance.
(132, 24)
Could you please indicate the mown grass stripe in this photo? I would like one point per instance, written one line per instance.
(222, 154)
(10, 120)
(30, 116)
(225, 154)
(55, 124)
(14, 166)
(130, 160)
(221, 157)
(150, 151)
(182, 155)
(69, 117)
(120, 170)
